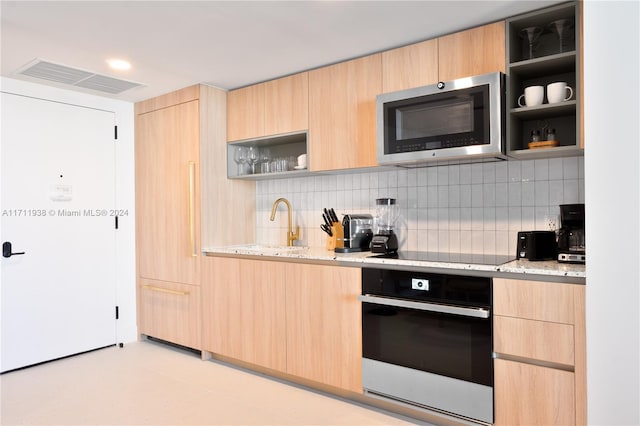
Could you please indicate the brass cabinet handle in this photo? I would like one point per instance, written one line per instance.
(165, 290)
(192, 208)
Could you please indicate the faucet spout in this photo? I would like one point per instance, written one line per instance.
(291, 236)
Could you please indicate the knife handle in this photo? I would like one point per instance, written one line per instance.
(334, 216)
(327, 219)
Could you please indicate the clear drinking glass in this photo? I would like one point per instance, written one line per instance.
(265, 158)
(240, 157)
(252, 158)
(531, 34)
(562, 28)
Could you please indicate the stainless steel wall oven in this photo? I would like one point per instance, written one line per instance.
(427, 341)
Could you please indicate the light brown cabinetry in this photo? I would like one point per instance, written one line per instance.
(531, 395)
(286, 107)
(167, 155)
(342, 114)
(539, 341)
(336, 103)
(170, 311)
(180, 163)
(410, 66)
(324, 341)
(275, 107)
(476, 51)
(553, 341)
(168, 193)
(244, 310)
(245, 113)
(300, 320)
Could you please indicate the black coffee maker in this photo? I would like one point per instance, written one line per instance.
(571, 242)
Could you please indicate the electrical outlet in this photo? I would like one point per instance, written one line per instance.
(551, 222)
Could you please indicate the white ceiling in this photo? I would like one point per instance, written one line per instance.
(227, 44)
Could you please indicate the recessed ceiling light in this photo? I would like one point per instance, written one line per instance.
(119, 64)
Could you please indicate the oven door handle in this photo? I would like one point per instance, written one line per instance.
(424, 306)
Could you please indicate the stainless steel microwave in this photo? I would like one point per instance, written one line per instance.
(461, 119)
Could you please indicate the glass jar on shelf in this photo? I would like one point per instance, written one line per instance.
(535, 136)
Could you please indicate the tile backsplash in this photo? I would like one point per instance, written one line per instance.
(463, 208)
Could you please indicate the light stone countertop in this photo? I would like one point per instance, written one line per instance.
(517, 269)
(546, 267)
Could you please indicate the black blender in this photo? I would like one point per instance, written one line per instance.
(385, 240)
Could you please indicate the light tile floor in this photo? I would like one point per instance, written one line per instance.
(147, 383)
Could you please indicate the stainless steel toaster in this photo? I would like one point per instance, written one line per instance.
(358, 231)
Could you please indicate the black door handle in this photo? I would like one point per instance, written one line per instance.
(6, 250)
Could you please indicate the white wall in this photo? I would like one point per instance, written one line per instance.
(125, 238)
(612, 198)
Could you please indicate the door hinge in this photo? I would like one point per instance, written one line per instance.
(116, 222)
(117, 312)
(115, 132)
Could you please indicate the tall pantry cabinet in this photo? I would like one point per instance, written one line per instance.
(180, 152)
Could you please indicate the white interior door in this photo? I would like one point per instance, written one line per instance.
(57, 201)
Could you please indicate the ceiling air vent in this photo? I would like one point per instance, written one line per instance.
(76, 77)
(106, 84)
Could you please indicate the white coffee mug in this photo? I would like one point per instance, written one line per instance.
(533, 96)
(559, 92)
(302, 160)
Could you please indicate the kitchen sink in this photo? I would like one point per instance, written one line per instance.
(267, 250)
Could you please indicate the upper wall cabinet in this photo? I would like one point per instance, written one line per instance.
(245, 113)
(267, 109)
(342, 114)
(472, 52)
(410, 66)
(286, 104)
(543, 47)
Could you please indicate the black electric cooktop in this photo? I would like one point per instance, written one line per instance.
(467, 258)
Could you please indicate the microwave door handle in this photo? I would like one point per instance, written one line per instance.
(424, 306)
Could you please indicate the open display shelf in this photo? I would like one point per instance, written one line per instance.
(549, 59)
(281, 148)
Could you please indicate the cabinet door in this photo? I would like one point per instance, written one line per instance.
(324, 321)
(342, 114)
(472, 52)
(244, 313)
(410, 66)
(533, 395)
(170, 311)
(245, 113)
(286, 106)
(168, 194)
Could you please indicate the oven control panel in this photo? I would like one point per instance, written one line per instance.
(419, 284)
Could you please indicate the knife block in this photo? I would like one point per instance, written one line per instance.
(337, 238)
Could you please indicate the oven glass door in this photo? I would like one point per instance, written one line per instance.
(450, 345)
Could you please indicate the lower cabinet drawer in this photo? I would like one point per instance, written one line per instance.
(542, 301)
(539, 340)
(533, 395)
(170, 311)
